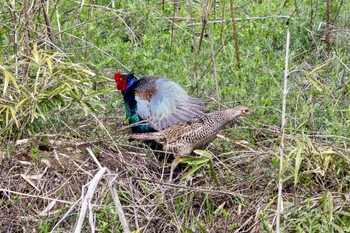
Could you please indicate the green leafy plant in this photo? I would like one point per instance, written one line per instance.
(197, 163)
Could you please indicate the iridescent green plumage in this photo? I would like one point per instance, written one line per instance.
(131, 117)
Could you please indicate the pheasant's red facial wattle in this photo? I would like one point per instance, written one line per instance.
(120, 81)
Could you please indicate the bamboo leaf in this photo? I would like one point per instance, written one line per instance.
(327, 160)
(298, 160)
(19, 104)
(194, 161)
(330, 205)
(319, 67)
(6, 82)
(203, 153)
(138, 230)
(285, 163)
(317, 84)
(9, 77)
(191, 171)
(213, 173)
(199, 225)
(338, 228)
(41, 114)
(49, 64)
(35, 54)
(7, 115)
(87, 72)
(13, 80)
(13, 114)
(188, 230)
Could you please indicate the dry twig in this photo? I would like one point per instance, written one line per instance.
(114, 194)
(281, 147)
(217, 89)
(235, 34)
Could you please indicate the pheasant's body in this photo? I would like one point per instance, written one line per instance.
(183, 138)
(159, 101)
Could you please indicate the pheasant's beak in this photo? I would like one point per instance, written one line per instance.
(247, 112)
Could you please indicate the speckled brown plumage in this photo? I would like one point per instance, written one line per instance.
(183, 138)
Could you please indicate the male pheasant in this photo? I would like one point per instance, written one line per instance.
(183, 138)
(158, 101)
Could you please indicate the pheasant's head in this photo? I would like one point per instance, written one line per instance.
(124, 80)
(241, 111)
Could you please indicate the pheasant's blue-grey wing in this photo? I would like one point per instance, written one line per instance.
(164, 103)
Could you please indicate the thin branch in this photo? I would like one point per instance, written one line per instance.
(235, 33)
(194, 45)
(328, 42)
(281, 147)
(132, 195)
(204, 190)
(65, 215)
(222, 23)
(36, 196)
(47, 20)
(217, 90)
(58, 26)
(26, 10)
(118, 206)
(114, 194)
(204, 23)
(171, 40)
(217, 21)
(15, 37)
(26, 28)
(86, 199)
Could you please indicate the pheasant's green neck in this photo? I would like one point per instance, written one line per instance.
(131, 116)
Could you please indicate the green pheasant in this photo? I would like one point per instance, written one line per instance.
(158, 101)
(183, 138)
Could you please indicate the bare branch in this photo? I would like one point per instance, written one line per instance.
(328, 42)
(47, 19)
(235, 34)
(87, 198)
(217, 89)
(281, 147)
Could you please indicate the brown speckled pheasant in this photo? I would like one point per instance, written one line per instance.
(183, 138)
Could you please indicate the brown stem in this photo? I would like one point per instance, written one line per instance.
(213, 57)
(172, 38)
(204, 23)
(47, 20)
(26, 35)
(222, 22)
(328, 42)
(235, 34)
(15, 38)
(194, 43)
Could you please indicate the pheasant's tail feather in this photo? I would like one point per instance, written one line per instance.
(156, 136)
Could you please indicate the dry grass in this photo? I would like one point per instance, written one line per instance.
(38, 187)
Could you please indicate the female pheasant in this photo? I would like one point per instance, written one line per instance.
(183, 138)
(157, 100)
